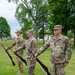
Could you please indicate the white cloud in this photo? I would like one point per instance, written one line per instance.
(7, 10)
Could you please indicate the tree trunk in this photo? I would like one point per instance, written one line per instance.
(36, 30)
(65, 32)
(74, 38)
(43, 34)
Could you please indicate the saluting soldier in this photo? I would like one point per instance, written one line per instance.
(60, 51)
(31, 48)
(19, 41)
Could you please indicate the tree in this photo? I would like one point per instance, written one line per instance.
(25, 22)
(28, 9)
(60, 14)
(25, 27)
(63, 12)
(42, 20)
(29, 12)
(4, 28)
(72, 12)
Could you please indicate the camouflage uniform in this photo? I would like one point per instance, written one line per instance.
(30, 45)
(19, 41)
(60, 53)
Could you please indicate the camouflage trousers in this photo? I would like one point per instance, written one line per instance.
(20, 64)
(57, 69)
(31, 66)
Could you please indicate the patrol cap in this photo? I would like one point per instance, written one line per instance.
(18, 31)
(29, 31)
(57, 27)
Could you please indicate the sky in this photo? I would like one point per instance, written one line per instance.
(7, 10)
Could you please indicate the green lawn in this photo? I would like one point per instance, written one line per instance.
(6, 67)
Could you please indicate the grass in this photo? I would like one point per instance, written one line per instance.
(6, 67)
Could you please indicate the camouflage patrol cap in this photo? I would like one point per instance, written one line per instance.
(57, 27)
(29, 31)
(18, 31)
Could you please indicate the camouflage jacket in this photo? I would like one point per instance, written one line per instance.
(60, 49)
(19, 41)
(30, 45)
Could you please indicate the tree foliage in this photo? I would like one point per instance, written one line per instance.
(42, 20)
(4, 28)
(29, 9)
(61, 14)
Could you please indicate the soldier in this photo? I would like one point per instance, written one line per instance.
(31, 47)
(19, 41)
(60, 51)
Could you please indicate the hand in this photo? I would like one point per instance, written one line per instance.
(65, 64)
(14, 51)
(6, 49)
(32, 58)
(35, 55)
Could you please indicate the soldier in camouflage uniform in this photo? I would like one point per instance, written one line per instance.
(60, 51)
(31, 46)
(19, 41)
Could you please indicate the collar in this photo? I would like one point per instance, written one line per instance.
(58, 38)
(30, 38)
